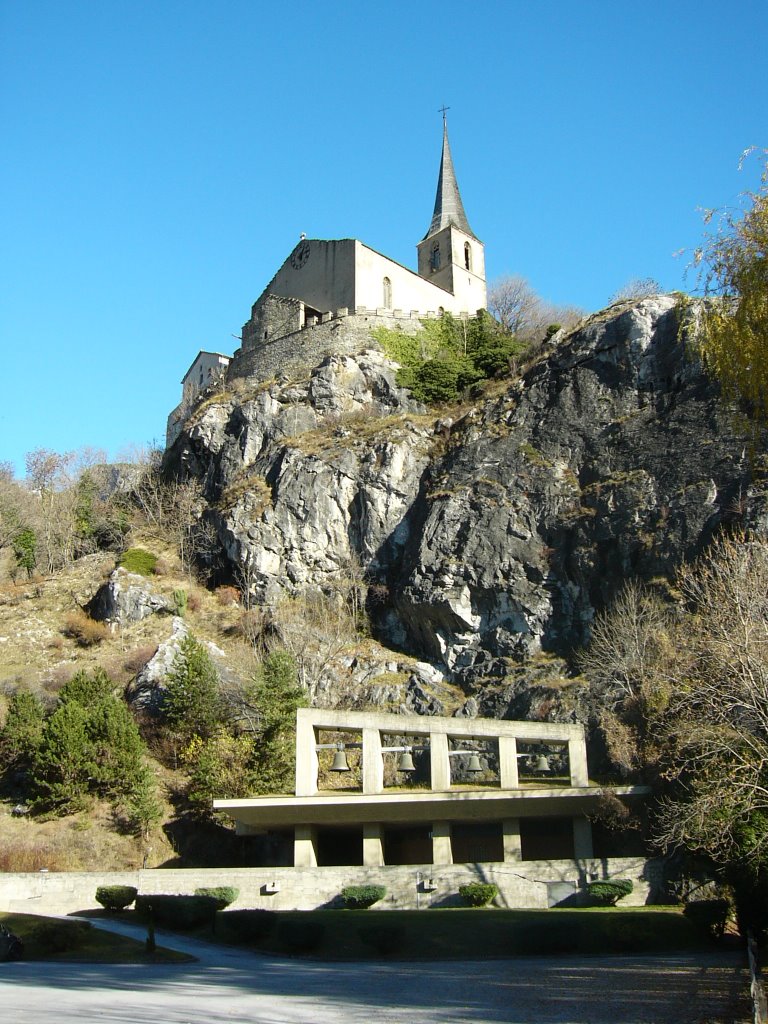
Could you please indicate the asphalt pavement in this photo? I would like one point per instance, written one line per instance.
(229, 985)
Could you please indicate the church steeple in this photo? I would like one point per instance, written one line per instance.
(449, 208)
(451, 256)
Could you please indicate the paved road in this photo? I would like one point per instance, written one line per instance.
(237, 988)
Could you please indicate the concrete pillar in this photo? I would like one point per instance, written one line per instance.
(508, 776)
(577, 759)
(373, 846)
(582, 839)
(440, 769)
(304, 848)
(307, 766)
(511, 834)
(441, 843)
(373, 762)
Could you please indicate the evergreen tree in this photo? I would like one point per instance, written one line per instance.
(64, 762)
(192, 704)
(276, 694)
(25, 550)
(87, 688)
(90, 745)
(22, 732)
(142, 805)
(117, 748)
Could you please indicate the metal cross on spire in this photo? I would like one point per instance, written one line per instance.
(442, 110)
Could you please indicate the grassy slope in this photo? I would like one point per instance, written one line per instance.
(47, 938)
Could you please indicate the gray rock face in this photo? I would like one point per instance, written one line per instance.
(488, 537)
(126, 597)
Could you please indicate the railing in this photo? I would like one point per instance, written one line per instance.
(756, 983)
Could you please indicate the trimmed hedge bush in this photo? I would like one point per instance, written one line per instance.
(116, 897)
(223, 894)
(607, 894)
(478, 894)
(177, 911)
(359, 897)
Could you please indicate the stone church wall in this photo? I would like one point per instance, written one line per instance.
(340, 333)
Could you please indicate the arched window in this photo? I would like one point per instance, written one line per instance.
(387, 293)
(434, 260)
(467, 256)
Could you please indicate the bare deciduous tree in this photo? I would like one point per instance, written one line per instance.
(522, 312)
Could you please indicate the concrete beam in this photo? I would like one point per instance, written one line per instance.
(439, 763)
(373, 762)
(508, 776)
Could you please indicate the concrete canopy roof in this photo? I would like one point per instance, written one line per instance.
(354, 808)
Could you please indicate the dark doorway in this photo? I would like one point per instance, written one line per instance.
(412, 845)
(339, 846)
(475, 843)
(546, 838)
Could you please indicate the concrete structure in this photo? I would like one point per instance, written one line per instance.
(207, 369)
(515, 815)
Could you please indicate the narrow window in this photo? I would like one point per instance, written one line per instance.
(435, 259)
(467, 256)
(387, 293)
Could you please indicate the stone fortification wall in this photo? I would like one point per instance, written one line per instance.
(339, 333)
(532, 884)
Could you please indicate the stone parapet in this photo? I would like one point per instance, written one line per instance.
(340, 332)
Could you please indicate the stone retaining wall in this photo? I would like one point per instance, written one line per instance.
(533, 884)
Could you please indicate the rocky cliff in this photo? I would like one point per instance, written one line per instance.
(496, 531)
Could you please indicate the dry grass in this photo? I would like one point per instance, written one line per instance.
(83, 842)
(84, 630)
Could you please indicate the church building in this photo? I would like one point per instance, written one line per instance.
(329, 293)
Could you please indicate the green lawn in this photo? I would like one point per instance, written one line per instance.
(461, 934)
(48, 938)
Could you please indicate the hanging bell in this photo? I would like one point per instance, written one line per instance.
(473, 765)
(542, 764)
(405, 762)
(340, 761)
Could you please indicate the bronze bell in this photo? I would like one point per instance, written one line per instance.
(405, 762)
(542, 764)
(474, 764)
(340, 761)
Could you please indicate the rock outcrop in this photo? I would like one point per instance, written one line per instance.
(126, 597)
(497, 534)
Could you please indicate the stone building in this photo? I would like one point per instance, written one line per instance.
(329, 293)
(206, 370)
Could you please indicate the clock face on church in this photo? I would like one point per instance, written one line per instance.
(300, 255)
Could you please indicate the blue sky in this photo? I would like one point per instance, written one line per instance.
(160, 160)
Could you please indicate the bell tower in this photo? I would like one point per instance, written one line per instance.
(450, 255)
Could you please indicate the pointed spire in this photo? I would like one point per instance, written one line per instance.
(449, 208)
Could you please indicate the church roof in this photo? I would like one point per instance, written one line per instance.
(449, 208)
